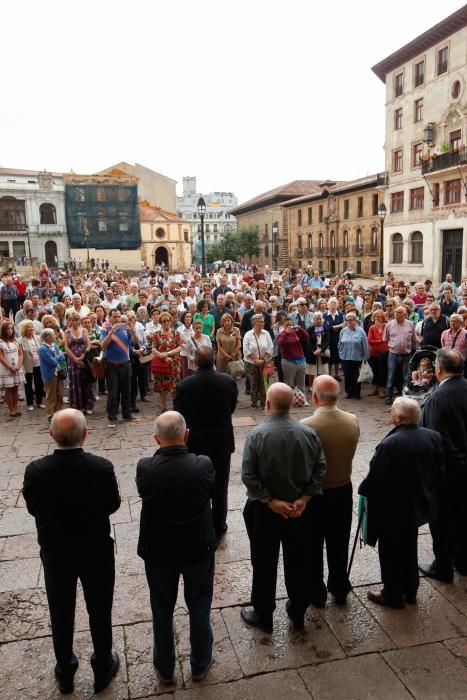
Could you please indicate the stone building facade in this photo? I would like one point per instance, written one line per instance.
(337, 228)
(425, 152)
(165, 239)
(32, 217)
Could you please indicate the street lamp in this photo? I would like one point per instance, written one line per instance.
(382, 215)
(86, 238)
(202, 212)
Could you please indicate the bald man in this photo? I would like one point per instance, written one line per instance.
(332, 515)
(283, 469)
(71, 494)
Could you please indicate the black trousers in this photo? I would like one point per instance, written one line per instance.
(119, 387)
(10, 305)
(38, 392)
(267, 531)
(96, 571)
(331, 516)
(139, 380)
(399, 565)
(351, 370)
(221, 462)
(449, 530)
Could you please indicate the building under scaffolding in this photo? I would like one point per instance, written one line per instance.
(102, 211)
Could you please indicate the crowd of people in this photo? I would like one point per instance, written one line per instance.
(185, 335)
(143, 332)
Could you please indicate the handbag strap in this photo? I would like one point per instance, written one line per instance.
(120, 343)
(257, 343)
(455, 338)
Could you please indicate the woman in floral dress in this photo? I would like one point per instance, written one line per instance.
(166, 346)
(11, 366)
(77, 344)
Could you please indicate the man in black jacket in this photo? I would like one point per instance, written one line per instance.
(207, 400)
(402, 488)
(446, 412)
(177, 538)
(71, 494)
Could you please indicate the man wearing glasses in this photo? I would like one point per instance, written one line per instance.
(302, 316)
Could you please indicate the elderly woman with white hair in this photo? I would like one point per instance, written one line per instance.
(353, 349)
(317, 356)
(257, 352)
(50, 357)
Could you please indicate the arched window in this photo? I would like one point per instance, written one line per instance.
(320, 242)
(416, 247)
(358, 238)
(48, 214)
(299, 242)
(396, 248)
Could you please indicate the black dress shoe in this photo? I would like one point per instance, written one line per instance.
(432, 571)
(65, 686)
(318, 602)
(134, 409)
(379, 599)
(101, 681)
(297, 619)
(220, 533)
(250, 617)
(340, 599)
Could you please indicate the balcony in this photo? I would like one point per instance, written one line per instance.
(307, 252)
(382, 179)
(299, 252)
(357, 250)
(342, 250)
(445, 160)
(47, 229)
(5, 226)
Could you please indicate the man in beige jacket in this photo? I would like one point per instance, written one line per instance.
(338, 432)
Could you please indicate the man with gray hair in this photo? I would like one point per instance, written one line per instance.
(177, 538)
(71, 494)
(402, 488)
(339, 433)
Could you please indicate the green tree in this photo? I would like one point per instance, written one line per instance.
(214, 252)
(248, 241)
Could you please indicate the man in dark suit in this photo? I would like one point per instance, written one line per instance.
(207, 401)
(258, 308)
(402, 488)
(446, 412)
(177, 538)
(71, 494)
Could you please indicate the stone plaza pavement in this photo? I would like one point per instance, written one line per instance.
(360, 651)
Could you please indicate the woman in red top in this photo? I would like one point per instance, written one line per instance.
(290, 342)
(378, 354)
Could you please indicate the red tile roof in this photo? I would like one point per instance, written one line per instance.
(151, 214)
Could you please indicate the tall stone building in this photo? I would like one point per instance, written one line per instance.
(337, 228)
(32, 217)
(426, 155)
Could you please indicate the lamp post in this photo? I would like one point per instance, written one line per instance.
(86, 238)
(202, 212)
(382, 215)
(29, 245)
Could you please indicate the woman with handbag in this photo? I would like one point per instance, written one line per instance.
(228, 343)
(317, 357)
(291, 342)
(166, 346)
(30, 343)
(378, 354)
(353, 349)
(52, 375)
(257, 352)
(77, 344)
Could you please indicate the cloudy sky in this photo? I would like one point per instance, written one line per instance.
(245, 95)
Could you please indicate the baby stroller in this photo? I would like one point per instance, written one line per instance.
(421, 380)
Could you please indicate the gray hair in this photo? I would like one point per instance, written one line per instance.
(170, 426)
(66, 432)
(47, 333)
(351, 316)
(407, 409)
(457, 317)
(317, 314)
(256, 317)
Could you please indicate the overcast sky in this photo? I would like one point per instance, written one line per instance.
(246, 95)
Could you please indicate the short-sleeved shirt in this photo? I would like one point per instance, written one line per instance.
(113, 351)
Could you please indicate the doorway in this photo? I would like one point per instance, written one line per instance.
(51, 258)
(162, 256)
(452, 254)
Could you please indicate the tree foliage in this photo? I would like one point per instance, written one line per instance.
(235, 246)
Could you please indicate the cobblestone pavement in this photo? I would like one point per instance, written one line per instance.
(359, 651)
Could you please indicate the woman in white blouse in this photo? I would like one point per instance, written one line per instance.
(31, 343)
(257, 350)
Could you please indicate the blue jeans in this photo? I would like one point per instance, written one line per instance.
(398, 366)
(198, 587)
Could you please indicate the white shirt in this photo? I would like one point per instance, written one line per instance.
(251, 342)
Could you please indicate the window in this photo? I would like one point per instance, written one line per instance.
(320, 242)
(397, 202)
(332, 238)
(398, 119)
(359, 267)
(299, 217)
(417, 197)
(346, 265)
(80, 194)
(12, 214)
(417, 150)
(199, 228)
(455, 138)
(208, 237)
(418, 110)
(310, 216)
(346, 208)
(123, 194)
(419, 73)
(48, 214)
(452, 192)
(374, 267)
(320, 213)
(442, 61)
(416, 247)
(215, 228)
(456, 89)
(360, 206)
(102, 225)
(299, 243)
(160, 233)
(185, 236)
(346, 243)
(396, 249)
(195, 215)
(123, 226)
(374, 205)
(216, 237)
(19, 249)
(310, 239)
(397, 161)
(374, 238)
(358, 238)
(208, 228)
(436, 194)
(398, 84)
(100, 195)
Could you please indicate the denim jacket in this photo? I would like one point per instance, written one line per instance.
(49, 356)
